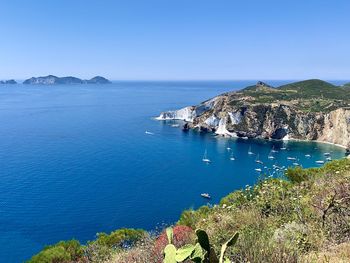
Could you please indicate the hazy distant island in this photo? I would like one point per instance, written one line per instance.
(306, 110)
(10, 81)
(53, 80)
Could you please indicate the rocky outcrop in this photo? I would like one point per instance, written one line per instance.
(10, 81)
(53, 80)
(235, 114)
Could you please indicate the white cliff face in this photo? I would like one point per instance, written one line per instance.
(235, 117)
(186, 114)
(212, 121)
(222, 130)
(205, 106)
(337, 127)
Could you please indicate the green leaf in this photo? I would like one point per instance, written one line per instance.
(169, 234)
(197, 254)
(229, 243)
(232, 241)
(203, 239)
(184, 252)
(169, 254)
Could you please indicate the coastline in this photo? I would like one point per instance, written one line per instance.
(229, 135)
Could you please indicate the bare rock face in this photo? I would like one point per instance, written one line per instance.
(242, 115)
(336, 127)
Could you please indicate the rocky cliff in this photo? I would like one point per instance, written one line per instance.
(308, 110)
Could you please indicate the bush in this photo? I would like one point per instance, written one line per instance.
(64, 251)
(190, 217)
(297, 174)
(121, 237)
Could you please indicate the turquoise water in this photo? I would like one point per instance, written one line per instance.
(75, 160)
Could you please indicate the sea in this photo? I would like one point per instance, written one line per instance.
(76, 160)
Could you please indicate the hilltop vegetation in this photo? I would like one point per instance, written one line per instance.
(304, 217)
(309, 95)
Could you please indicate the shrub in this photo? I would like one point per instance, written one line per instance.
(297, 174)
(191, 217)
(64, 251)
(121, 237)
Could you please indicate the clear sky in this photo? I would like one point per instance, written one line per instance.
(176, 39)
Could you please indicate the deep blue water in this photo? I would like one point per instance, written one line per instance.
(75, 160)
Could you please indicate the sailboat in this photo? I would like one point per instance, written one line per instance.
(232, 158)
(273, 149)
(250, 151)
(205, 158)
(270, 156)
(257, 160)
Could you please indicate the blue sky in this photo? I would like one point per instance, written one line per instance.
(175, 39)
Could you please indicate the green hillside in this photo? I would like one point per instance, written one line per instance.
(310, 95)
(315, 88)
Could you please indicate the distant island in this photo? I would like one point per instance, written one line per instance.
(305, 110)
(10, 81)
(53, 80)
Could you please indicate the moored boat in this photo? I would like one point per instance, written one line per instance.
(206, 195)
(205, 158)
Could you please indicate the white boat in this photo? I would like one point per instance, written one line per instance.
(232, 158)
(205, 158)
(258, 169)
(271, 157)
(291, 158)
(228, 148)
(296, 164)
(307, 155)
(206, 195)
(250, 151)
(257, 160)
(273, 149)
(327, 154)
(320, 162)
(175, 125)
(329, 159)
(283, 148)
(149, 133)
